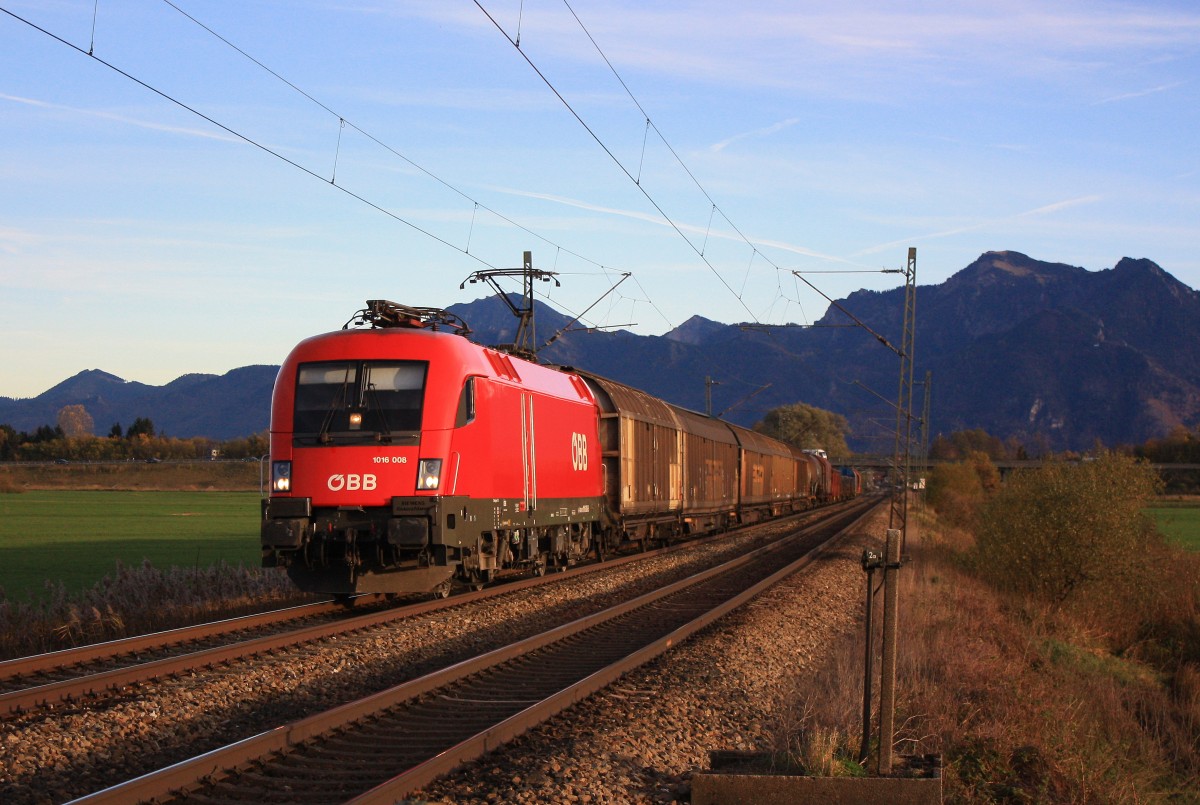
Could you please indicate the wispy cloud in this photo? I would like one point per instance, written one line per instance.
(847, 48)
(1143, 93)
(1045, 209)
(1059, 205)
(658, 220)
(207, 134)
(12, 241)
(763, 132)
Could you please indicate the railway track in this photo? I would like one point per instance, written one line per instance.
(21, 676)
(426, 726)
(88, 672)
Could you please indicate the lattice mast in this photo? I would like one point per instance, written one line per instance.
(902, 455)
(897, 521)
(525, 342)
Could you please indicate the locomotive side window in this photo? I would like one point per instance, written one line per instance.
(466, 404)
(351, 402)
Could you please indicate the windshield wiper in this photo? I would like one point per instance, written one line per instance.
(384, 434)
(339, 402)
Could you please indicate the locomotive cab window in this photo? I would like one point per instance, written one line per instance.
(354, 402)
(466, 404)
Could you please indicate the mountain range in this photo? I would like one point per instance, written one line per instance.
(1053, 355)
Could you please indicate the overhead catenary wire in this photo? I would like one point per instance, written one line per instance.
(756, 250)
(604, 146)
(715, 208)
(243, 137)
(476, 204)
(342, 123)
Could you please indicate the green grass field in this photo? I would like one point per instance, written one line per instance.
(77, 537)
(1179, 522)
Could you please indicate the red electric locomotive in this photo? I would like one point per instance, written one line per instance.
(402, 448)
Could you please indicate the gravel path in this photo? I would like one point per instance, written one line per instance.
(641, 740)
(68, 751)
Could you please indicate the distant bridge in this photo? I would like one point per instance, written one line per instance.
(1005, 466)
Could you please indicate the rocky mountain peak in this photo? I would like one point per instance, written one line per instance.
(695, 330)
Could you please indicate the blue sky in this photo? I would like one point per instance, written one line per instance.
(143, 239)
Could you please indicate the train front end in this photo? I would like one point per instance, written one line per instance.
(359, 444)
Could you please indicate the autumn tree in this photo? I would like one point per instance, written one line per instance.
(962, 444)
(74, 421)
(250, 447)
(1181, 446)
(142, 426)
(958, 490)
(8, 442)
(808, 428)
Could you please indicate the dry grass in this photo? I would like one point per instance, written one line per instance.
(169, 475)
(138, 600)
(1025, 703)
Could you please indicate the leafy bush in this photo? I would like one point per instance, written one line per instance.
(1071, 531)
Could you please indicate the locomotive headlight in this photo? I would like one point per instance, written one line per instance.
(355, 420)
(281, 476)
(429, 472)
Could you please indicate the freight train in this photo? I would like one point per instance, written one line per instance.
(404, 456)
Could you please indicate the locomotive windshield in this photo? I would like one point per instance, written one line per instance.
(352, 402)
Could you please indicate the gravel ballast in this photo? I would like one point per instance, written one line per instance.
(641, 740)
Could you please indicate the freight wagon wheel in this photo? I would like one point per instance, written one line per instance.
(442, 590)
(539, 566)
(476, 580)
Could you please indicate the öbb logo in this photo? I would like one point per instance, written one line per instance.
(351, 483)
(579, 456)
